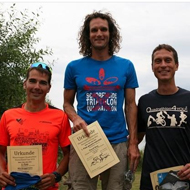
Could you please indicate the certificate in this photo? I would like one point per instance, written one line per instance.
(95, 152)
(26, 159)
(164, 178)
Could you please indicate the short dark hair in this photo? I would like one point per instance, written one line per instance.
(41, 70)
(83, 37)
(168, 48)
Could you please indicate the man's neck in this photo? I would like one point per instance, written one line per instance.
(100, 55)
(34, 107)
(167, 89)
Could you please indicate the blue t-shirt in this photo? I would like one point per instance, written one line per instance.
(100, 87)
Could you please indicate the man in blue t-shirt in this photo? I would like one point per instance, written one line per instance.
(104, 85)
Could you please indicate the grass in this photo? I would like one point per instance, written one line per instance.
(136, 183)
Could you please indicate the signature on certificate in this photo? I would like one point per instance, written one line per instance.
(99, 159)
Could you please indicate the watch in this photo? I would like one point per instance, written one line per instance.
(58, 176)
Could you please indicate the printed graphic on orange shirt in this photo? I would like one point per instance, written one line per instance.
(20, 121)
(35, 137)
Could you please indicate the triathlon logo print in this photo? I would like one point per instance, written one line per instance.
(167, 117)
(103, 96)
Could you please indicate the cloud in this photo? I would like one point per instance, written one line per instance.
(143, 26)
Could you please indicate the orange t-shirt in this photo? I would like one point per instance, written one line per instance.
(49, 128)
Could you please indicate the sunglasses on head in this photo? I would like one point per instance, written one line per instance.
(42, 65)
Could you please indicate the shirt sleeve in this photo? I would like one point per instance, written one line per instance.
(141, 125)
(65, 132)
(69, 80)
(4, 140)
(132, 81)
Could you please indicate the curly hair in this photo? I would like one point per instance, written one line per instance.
(168, 48)
(84, 33)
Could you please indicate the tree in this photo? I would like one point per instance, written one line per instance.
(17, 51)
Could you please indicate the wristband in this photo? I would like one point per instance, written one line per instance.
(58, 176)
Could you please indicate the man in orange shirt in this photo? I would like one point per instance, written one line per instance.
(36, 123)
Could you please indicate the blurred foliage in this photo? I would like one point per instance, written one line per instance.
(17, 51)
(60, 154)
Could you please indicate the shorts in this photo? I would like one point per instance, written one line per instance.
(111, 179)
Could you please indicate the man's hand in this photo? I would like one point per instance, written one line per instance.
(184, 173)
(133, 156)
(68, 107)
(6, 179)
(78, 124)
(47, 180)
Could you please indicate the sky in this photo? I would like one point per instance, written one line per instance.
(143, 26)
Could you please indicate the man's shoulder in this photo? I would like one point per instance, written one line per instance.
(147, 97)
(183, 91)
(154, 93)
(53, 107)
(55, 110)
(151, 93)
(119, 58)
(77, 61)
(13, 109)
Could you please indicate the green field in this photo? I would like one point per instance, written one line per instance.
(135, 183)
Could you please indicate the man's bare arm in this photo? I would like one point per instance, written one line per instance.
(68, 106)
(131, 118)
